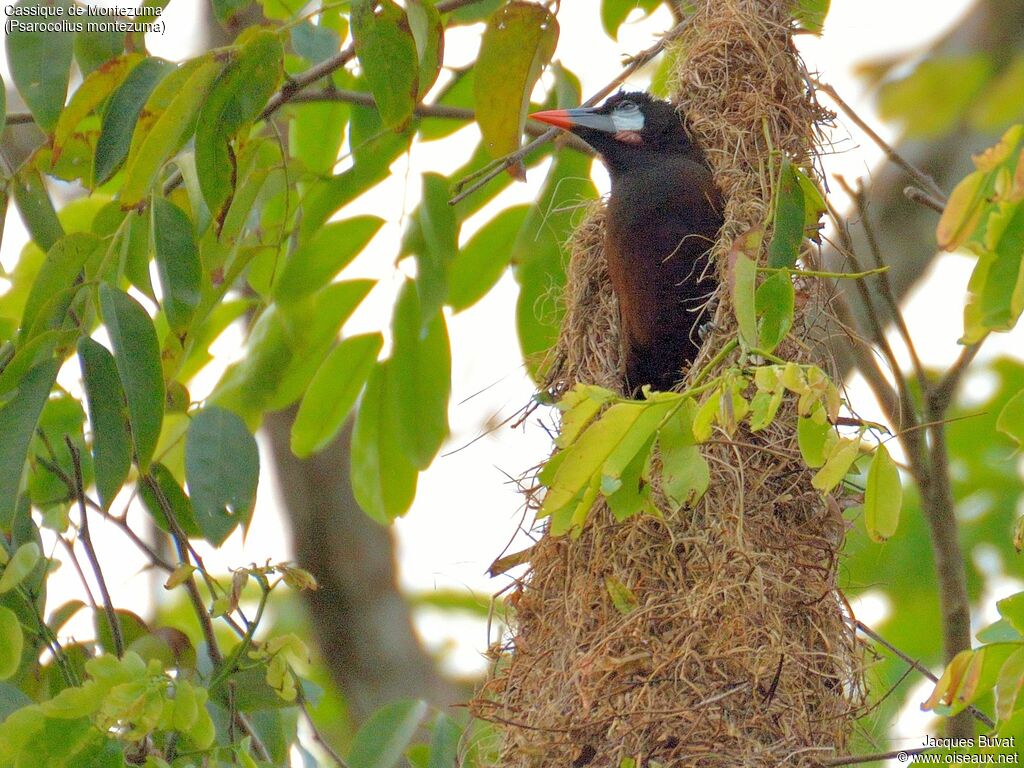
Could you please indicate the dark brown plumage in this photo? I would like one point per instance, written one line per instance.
(664, 214)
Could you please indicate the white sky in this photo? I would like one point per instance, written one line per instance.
(466, 511)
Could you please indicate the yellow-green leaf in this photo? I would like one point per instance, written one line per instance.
(175, 103)
(685, 473)
(788, 230)
(837, 465)
(744, 274)
(11, 642)
(19, 566)
(883, 496)
(387, 53)
(1009, 684)
(333, 392)
(517, 44)
(623, 599)
(1011, 419)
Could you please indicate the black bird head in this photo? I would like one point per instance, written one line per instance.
(629, 128)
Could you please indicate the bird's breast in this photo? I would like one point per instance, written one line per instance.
(663, 218)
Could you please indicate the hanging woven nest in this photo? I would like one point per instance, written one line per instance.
(737, 648)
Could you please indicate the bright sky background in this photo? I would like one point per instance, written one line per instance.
(466, 510)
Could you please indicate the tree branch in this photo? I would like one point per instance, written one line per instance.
(917, 665)
(90, 551)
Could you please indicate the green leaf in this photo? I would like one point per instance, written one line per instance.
(314, 42)
(615, 12)
(629, 492)
(12, 641)
(931, 99)
(472, 12)
(62, 268)
(171, 494)
(810, 14)
(623, 599)
(1009, 684)
(315, 133)
(282, 10)
(636, 440)
(837, 464)
(883, 496)
(94, 47)
(788, 230)
(222, 468)
(93, 91)
(579, 406)
(457, 92)
(111, 442)
(320, 325)
(539, 258)
(177, 262)
(1002, 296)
(419, 378)
(21, 564)
(584, 459)
(236, 99)
(316, 261)
(333, 392)
(137, 354)
(1011, 419)
(383, 479)
(1012, 609)
(36, 208)
(382, 739)
(774, 303)
(40, 61)
(517, 44)
(480, 263)
(440, 231)
(428, 32)
(173, 106)
(744, 274)
(445, 735)
(812, 437)
(1000, 631)
(685, 474)
(18, 418)
(122, 114)
(387, 53)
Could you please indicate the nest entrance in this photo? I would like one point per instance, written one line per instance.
(737, 649)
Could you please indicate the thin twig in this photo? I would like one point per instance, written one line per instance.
(942, 392)
(317, 736)
(330, 65)
(903, 416)
(915, 664)
(180, 543)
(365, 99)
(860, 201)
(90, 551)
(920, 196)
(443, 111)
(920, 176)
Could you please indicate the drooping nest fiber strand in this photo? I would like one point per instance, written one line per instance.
(740, 650)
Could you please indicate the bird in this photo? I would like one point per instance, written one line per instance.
(664, 213)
